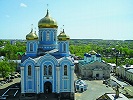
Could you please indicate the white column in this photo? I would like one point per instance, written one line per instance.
(58, 79)
(37, 79)
(22, 79)
(72, 78)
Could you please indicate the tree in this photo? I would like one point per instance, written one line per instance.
(4, 68)
(13, 66)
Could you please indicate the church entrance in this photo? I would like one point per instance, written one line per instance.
(47, 87)
(97, 75)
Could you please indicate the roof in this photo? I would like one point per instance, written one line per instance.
(130, 70)
(96, 63)
(80, 82)
(20, 53)
(111, 96)
(59, 59)
(127, 66)
(121, 96)
(129, 87)
(112, 64)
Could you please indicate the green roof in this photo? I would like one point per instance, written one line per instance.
(20, 53)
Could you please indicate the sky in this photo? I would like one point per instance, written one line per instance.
(82, 19)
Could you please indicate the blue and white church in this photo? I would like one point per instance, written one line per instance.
(47, 66)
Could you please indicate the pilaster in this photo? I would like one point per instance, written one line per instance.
(22, 79)
(58, 79)
(72, 78)
(37, 79)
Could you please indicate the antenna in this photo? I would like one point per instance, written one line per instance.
(47, 6)
(63, 28)
(31, 27)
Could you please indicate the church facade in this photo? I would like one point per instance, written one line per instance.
(47, 66)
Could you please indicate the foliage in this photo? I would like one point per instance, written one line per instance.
(4, 68)
(109, 49)
(7, 67)
(10, 51)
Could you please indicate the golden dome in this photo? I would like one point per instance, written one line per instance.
(63, 37)
(31, 36)
(47, 22)
(92, 52)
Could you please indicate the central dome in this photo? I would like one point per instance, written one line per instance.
(47, 22)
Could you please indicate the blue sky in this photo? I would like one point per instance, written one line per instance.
(82, 19)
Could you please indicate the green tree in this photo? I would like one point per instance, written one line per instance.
(4, 68)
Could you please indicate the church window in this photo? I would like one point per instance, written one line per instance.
(65, 70)
(50, 69)
(47, 36)
(54, 36)
(45, 70)
(64, 47)
(29, 70)
(41, 37)
(31, 46)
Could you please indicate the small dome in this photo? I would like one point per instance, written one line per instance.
(63, 37)
(47, 22)
(31, 36)
(98, 55)
(85, 54)
(88, 55)
(92, 52)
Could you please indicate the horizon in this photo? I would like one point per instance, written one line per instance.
(99, 19)
(79, 39)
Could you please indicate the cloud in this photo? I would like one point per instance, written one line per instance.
(23, 5)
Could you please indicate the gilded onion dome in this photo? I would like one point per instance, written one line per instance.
(47, 22)
(63, 37)
(31, 36)
(92, 52)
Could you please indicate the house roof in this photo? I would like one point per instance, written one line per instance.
(130, 70)
(111, 96)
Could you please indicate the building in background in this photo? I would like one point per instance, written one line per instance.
(92, 67)
(47, 66)
(121, 70)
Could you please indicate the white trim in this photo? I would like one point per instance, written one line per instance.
(22, 79)
(58, 79)
(72, 78)
(37, 79)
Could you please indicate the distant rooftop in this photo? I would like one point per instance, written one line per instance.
(112, 96)
(130, 70)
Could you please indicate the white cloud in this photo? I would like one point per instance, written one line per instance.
(23, 5)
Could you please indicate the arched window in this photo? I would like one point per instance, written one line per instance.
(54, 36)
(41, 37)
(47, 36)
(31, 46)
(29, 70)
(64, 47)
(65, 70)
(50, 69)
(45, 70)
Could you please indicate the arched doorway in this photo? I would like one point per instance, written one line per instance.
(47, 87)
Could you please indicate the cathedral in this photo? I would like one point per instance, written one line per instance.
(47, 66)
